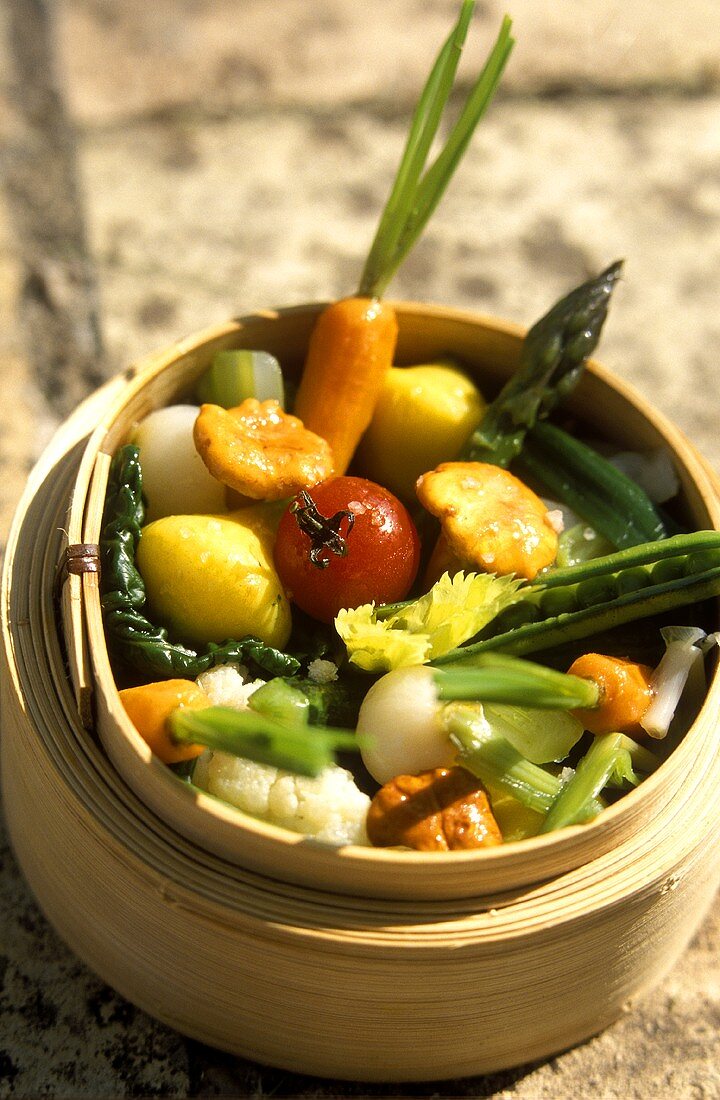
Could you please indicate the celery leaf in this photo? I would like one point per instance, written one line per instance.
(454, 610)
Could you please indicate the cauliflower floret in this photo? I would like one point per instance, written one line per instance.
(328, 807)
(226, 685)
(322, 672)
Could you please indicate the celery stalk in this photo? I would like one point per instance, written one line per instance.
(492, 758)
(611, 758)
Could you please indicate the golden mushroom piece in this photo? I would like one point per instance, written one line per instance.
(490, 519)
(261, 451)
(441, 810)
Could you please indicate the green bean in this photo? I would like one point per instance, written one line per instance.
(610, 502)
(568, 604)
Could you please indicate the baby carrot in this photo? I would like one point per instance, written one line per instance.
(350, 351)
(149, 707)
(353, 343)
(625, 692)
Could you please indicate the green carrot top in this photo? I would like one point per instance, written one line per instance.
(417, 189)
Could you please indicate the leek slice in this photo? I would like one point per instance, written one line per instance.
(236, 375)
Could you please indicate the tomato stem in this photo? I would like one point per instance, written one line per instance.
(323, 531)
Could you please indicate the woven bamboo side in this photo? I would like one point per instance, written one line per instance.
(491, 350)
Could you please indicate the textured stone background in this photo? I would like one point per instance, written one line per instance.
(168, 165)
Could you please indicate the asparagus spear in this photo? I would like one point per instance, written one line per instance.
(552, 359)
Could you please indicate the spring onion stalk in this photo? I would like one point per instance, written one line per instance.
(681, 659)
(611, 760)
(498, 678)
(296, 747)
(490, 756)
(417, 190)
(238, 374)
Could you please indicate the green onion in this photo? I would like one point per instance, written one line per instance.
(236, 375)
(416, 190)
(681, 658)
(499, 678)
(582, 479)
(611, 759)
(303, 749)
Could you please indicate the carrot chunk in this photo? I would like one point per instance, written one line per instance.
(625, 692)
(150, 705)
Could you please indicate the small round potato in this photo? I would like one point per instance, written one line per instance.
(210, 578)
(423, 416)
(175, 478)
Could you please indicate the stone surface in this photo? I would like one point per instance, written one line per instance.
(168, 165)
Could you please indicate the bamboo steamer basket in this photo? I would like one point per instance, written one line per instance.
(349, 963)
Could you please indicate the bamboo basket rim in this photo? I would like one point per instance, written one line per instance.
(131, 383)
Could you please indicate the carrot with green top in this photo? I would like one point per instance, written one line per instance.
(353, 343)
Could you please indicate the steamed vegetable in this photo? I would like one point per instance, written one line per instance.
(211, 577)
(402, 721)
(132, 637)
(490, 756)
(606, 498)
(260, 451)
(432, 408)
(682, 660)
(625, 692)
(237, 374)
(553, 356)
(455, 609)
(149, 707)
(175, 478)
(291, 745)
(352, 345)
(441, 810)
(613, 758)
(347, 542)
(327, 806)
(490, 519)
(568, 604)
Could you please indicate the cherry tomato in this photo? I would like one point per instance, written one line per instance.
(372, 556)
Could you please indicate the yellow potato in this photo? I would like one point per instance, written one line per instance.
(424, 415)
(209, 578)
